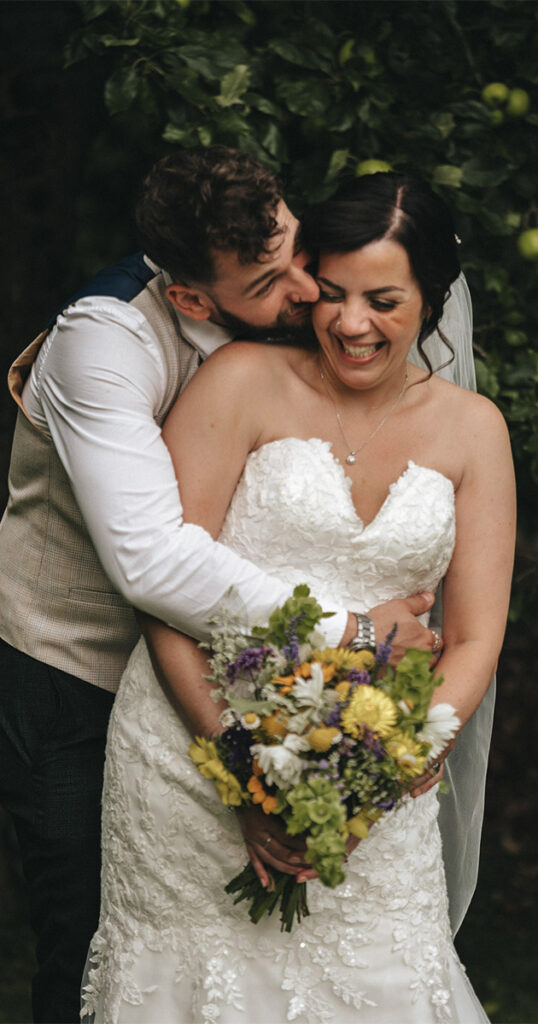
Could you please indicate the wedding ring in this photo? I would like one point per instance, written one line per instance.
(267, 842)
(434, 769)
(437, 642)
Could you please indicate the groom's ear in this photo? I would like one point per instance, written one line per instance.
(189, 299)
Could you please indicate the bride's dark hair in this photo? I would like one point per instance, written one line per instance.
(400, 209)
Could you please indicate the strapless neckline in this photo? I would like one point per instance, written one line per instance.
(345, 482)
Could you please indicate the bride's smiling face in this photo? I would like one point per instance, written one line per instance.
(369, 313)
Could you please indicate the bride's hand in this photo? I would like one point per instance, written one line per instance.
(268, 843)
(410, 633)
(431, 777)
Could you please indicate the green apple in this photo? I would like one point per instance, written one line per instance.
(518, 103)
(527, 244)
(512, 219)
(496, 116)
(495, 94)
(346, 51)
(515, 338)
(372, 167)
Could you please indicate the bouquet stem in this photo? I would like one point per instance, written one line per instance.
(288, 894)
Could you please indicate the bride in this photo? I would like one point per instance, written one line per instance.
(345, 467)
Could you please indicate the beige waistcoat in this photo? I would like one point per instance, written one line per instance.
(56, 603)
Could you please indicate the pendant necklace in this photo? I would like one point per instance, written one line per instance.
(351, 457)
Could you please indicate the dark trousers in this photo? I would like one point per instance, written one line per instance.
(52, 742)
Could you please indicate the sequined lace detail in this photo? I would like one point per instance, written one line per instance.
(171, 946)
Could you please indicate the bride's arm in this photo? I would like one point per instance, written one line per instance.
(208, 462)
(476, 590)
(181, 667)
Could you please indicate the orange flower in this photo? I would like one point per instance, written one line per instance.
(304, 671)
(285, 683)
(275, 725)
(259, 796)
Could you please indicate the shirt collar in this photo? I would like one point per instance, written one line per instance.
(205, 336)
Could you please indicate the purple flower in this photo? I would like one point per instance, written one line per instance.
(371, 742)
(334, 717)
(291, 649)
(247, 662)
(384, 648)
(235, 743)
(384, 805)
(358, 677)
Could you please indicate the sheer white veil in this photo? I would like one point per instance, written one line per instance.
(462, 808)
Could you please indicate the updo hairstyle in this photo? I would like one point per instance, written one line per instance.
(400, 209)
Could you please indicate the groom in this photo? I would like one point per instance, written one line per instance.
(94, 521)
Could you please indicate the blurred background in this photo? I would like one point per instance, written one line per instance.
(93, 92)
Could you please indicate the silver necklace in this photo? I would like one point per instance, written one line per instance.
(351, 458)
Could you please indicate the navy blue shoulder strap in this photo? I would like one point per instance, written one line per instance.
(123, 281)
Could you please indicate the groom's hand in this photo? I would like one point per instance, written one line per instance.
(404, 613)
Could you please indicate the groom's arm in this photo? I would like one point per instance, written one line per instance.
(98, 388)
(97, 392)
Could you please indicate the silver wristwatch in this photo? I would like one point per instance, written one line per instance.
(365, 638)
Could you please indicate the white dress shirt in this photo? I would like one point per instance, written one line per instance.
(97, 389)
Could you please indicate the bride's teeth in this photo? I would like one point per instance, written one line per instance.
(358, 351)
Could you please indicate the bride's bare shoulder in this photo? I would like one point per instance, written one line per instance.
(245, 363)
(468, 414)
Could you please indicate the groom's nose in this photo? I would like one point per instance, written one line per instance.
(303, 285)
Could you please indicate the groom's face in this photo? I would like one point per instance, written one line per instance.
(276, 292)
(269, 296)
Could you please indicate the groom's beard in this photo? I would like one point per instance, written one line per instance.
(293, 326)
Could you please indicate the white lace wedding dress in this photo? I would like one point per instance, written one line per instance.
(171, 947)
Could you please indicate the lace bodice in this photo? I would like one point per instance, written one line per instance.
(171, 945)
(292, 513)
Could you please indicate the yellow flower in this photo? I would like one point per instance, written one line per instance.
(406, 753)
(371, 708)
(322, 738)
(341, 658)
(204, 754)
(342, 689)
(358, 826)
(361, 823)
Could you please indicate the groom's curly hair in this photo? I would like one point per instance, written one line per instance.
(198, 201)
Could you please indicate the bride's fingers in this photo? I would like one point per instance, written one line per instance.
(278, 856)
(427, 781)
(260, 869)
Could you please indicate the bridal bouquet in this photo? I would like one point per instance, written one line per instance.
(328, 739)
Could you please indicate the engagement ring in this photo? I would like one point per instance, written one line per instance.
(437, 642)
